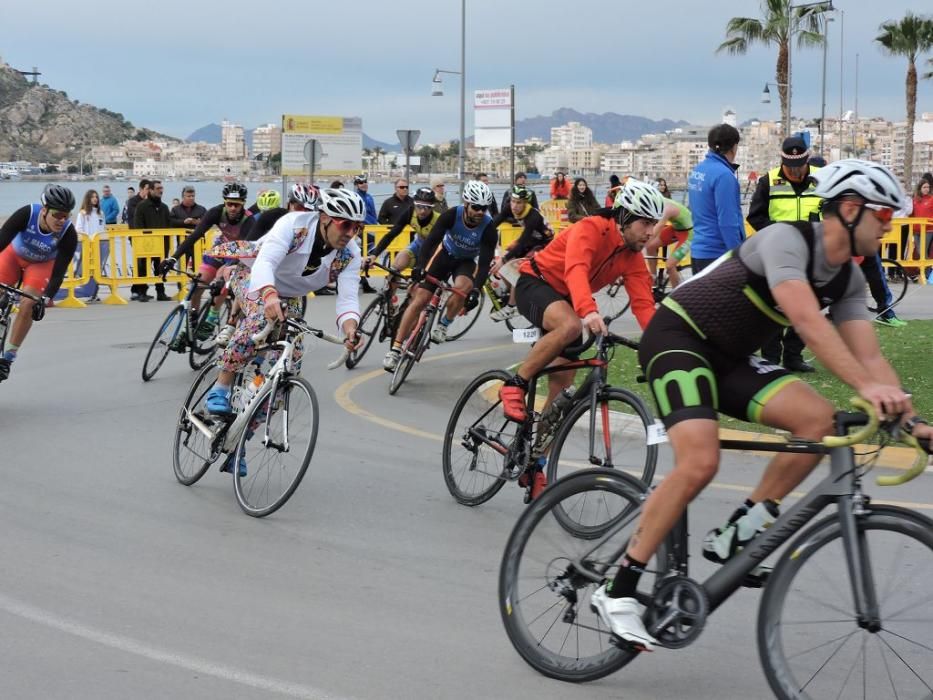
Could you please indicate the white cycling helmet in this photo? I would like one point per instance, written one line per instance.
(872, 182)
(342, 204)
(640, 200)
(476, 192)
(307, 196)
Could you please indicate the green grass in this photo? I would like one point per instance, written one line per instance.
(908, 349)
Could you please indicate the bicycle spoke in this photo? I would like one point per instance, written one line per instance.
(906, 665)
(831, 657)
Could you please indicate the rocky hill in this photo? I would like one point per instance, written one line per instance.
(607, 128)
(38, 123)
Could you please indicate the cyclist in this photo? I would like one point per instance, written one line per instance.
(556, 286)
(231, 218)
(302, 253)
(698, 356)
(422, 219)
(536, 233)
(300, 198)
(676, 224)
(37, 244)
(461, 246)
(266, 200)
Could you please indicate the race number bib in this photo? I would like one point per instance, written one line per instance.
(525, 335)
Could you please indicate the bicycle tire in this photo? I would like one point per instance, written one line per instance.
(200, 352)
(535, 570)
(168, 331)
(464, 321)
(304, 305)
(884, 529)
(492, 478)
(624, 415)
(251, 487)
(897, 282)
(368, 328)
(613, 301)
(188, 437)
(409, 355)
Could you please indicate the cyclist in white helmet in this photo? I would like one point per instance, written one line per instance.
(304, 251)
(461, 246)
(698, 356)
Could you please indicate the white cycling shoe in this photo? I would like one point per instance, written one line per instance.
(224, 336)
(439, 334)
(623, 617)
(503, 314)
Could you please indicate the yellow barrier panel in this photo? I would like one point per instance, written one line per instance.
(87, 251)
(916, 233)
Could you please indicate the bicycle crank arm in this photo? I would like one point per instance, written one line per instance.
(199, 424)
(479, 435)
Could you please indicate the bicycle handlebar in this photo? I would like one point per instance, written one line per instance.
(19, 292)
(443, 286)
(390, 270)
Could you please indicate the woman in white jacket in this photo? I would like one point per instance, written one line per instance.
(303, 252)
(90, 222)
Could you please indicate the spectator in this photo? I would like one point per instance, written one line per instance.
(715, 199)
(152, 213)
(615, 184)
(361, 182)
(520, 180)
(139, 292)
(90, 222)
(336, 185)
(923, 207)
(493, 207)
(175, 202)
(663, 188)
(440, 194)
(560, 186)
(188, 212)
(582, 202)
(397, 204)
(124, 215)
(109, 206)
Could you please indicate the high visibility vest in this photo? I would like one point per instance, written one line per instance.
(785, 204)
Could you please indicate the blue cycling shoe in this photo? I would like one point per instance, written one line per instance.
(228, 465)
(217, 401)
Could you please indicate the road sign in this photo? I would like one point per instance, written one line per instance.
(318, 150)
(408, 138)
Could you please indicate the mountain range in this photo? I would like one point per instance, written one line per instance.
(607, 128)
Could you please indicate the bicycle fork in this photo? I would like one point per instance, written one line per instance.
(858, 561)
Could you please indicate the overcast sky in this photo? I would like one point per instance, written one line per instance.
(176, 65)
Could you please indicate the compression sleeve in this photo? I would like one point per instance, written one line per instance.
(66, 250)
(533, 223)
(16, 223)
(486, 253)
(392, 234)
(212, 218)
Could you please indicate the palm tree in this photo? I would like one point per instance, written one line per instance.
(910, 37)
(779, 22)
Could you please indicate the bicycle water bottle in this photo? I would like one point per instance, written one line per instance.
(551, 417)
(252, 388)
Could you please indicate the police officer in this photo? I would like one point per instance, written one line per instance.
(785, 193)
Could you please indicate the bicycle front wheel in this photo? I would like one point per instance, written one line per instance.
(202, 351)
(612, 301)
(368, 329)
(810, 642)
(194, 451)
(277, 446)
(616, 437)
(463, 321)
(407, 359)
(548, 576)
(476, 440)
(170, 329)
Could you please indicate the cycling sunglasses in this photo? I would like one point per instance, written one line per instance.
(345, 225)
(59, 215)
(882, 213)
(479, 207)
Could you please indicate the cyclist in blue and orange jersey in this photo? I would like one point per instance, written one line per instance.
(676, 225)
(461, 246)
(36, 245)
(231, 219)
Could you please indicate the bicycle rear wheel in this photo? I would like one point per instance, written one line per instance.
(194, 451)
(809, 640)
(612, 301)
(169, 330)
(368, 329)
(277, 446)
(547, 576)
(202, 351)
(476, 436)
(408, 357)
(464, 321)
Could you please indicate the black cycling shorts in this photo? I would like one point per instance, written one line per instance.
(689, 378)
(444, 266)
(532, 296)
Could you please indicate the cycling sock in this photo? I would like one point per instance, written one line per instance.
(445, 321)
(212, 315)
(540, 464)
(625, 583)
(396, 346)
(9, 355)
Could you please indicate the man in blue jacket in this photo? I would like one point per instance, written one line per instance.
(109, 206)
(715, 200)
(361, 184)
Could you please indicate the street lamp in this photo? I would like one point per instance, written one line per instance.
(437, 89)
(791, 27)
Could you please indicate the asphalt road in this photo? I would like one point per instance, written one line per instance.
(370, 583)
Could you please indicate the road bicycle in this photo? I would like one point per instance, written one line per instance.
(597, 425)
(273, 428)
(419, 339)
(9, 296)
(179, 330)
(380, 319)
(847, 611)
(498, 296)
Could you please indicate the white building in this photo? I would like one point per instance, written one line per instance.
(570, 136)
(267, 140)
(232, 140)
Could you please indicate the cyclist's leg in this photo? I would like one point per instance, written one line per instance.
(35, 279)
(419, 299)
(675, 256)
(550, 311)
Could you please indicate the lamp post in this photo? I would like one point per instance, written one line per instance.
(437, 91)
(823, 103)
(791, 28)
(766, 99)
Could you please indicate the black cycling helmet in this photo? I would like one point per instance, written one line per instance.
(360, 179)
(519, 192)
(234, 190)
(58, 198)
(425, 195)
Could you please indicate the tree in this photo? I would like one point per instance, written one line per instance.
(910, 37)
(779, 22)
(929, 76)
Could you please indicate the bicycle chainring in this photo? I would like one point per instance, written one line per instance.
(679, 612)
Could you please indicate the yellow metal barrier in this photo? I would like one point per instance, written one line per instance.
(914, 254)
(87, 249)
